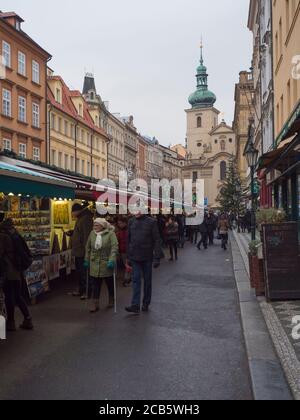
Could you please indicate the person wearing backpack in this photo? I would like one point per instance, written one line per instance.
(16, 258)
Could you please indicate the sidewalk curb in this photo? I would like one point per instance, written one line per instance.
(267, 376)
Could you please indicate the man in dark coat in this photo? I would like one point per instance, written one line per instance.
(211, 223)
(143, 249)
(83, 228)
(204, 235)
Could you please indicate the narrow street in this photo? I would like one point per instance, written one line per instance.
(190, 346)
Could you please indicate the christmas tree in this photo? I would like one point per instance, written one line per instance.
(231, 197)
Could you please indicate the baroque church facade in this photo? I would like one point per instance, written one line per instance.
(210, 144)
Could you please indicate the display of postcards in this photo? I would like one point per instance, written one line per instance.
(62, 260)
(25, 204)
(14, 204)
(37, 265)
(37, 289)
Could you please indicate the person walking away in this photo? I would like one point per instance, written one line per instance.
(224, 227)
(248, 220)
(122, 236)
(211, 226)
(100, 259)
(16, 258)
(144, 249)
(204, 235)
(172, 237)
(83, 228)
(180, 219)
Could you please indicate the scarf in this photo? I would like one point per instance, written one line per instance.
(98, 242)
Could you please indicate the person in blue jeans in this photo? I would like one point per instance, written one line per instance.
(144, 252)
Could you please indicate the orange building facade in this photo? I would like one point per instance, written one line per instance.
(23, 91)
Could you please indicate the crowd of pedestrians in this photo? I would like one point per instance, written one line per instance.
(100, 246)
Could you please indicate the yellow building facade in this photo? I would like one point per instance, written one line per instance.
(75, 143)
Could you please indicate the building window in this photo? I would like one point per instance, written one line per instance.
(35, 115)
(195, 176)
(22, 150)
(88, 169)
(59, 125)
(223, 145)
(230, 140)
(223, 170)
(66, 162)
(83, 167)
(35, 72)
(21, 63)
(6, 102)
(72, 164)
(66, 128)
(59, 159)
(199, 144)
(6, 52)
(53, 121)
(53, 157)
(36, 154)
(58, 96)
(22, 109)
(7, 144)
(80, 110)
(199, 122)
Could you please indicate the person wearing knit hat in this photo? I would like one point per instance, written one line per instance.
(100, 259)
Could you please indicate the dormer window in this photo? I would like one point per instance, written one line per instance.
(80, 110)
(58, 96)
(18, 25)
(92, 96)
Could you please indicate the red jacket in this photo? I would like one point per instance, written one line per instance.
(122, 236)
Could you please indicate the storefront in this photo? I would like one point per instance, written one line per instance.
(40, 207)
(282, 169)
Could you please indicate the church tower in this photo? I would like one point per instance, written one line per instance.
(202, 117)
(210, 145)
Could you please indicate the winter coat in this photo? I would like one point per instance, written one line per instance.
(83, 228)
(211, 223)
(223, 226)
(143, 240)
(172, 232)
(122, 236)
(7, 257)
(203, 227)
(98, 259)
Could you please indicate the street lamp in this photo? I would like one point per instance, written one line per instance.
(252, 158)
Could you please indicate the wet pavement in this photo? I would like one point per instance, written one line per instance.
(189, 346)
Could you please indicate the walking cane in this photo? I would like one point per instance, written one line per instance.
(115, 289)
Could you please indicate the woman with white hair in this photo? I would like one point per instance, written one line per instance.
(100, 258)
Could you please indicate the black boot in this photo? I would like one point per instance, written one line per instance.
(145, 308)
(133, 309)
(27, 325)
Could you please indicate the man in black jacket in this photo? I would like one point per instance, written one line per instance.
(143, 249)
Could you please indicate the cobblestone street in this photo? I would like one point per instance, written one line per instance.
(190, 346)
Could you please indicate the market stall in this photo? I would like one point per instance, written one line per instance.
(40, 207)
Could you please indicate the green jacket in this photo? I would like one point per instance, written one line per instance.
(98, 259)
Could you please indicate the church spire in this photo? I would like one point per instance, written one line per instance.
(202, 98)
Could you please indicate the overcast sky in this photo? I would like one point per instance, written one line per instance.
(144, 53)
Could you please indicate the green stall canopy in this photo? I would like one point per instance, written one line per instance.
(16, 180)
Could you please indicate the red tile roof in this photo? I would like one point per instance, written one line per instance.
(67, 106)
(9, 15)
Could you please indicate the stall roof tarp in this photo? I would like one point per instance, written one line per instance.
(17, 180)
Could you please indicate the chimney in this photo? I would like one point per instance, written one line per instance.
(13, 19)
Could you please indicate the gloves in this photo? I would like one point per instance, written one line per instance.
(86, 264)
(110, 265)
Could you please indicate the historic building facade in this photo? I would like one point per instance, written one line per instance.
(243, 113)
(131, 147)
(210, 145)
(75, 143)
(142, 159)
(111, 124)
(22, 91)
(260, 24)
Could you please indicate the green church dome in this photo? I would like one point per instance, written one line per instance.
(202, 98)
